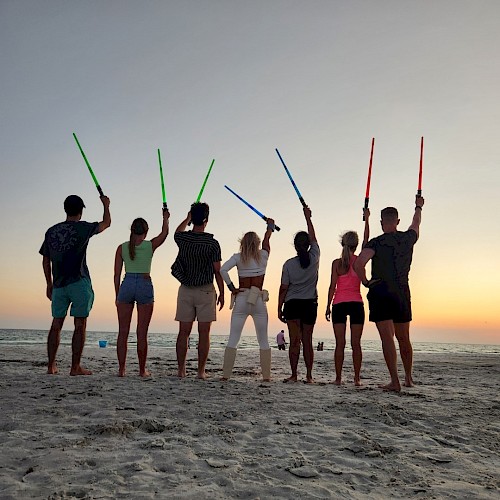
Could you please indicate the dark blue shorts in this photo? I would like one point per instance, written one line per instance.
(136, 287)
(355, 311)
(305, 310)
(389, 303)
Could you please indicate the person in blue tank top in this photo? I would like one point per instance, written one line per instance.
(136, 287)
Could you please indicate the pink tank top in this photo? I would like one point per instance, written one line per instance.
(347, 289)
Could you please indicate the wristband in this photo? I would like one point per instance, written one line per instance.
(418, 206)
(231, 287)
(271, 227)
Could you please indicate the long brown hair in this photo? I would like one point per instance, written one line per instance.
(138, 228)
(349, 242)
(250, 247)
(302, 242)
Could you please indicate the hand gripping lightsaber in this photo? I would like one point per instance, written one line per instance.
(96, 182)
(368, 181)
(419, 190)
(205, 181)
(162, 183)
(261, 215)
(292, 181)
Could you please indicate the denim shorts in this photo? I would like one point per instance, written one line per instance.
(79, 294)
(136, 287)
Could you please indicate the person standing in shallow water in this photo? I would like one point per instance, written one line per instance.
(249, 299)
(347, 301)
(196, 265)
(389, 291)
(64, 252)
(298, 298)
(137, 255)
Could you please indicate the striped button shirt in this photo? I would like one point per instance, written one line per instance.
(197, 254)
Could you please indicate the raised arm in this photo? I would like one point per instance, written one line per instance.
(266, 244)
(331, 290)
(417, 216)
(118, 269)
(310, 227)
(106, 216)
(366, 233)
(182, 226)
(47, 271)
(159, 240)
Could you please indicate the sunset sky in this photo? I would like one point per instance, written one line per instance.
(233, 80)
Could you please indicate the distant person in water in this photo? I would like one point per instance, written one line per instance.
(389, 299)
(136, 287)
(280, 340)
(68, 279)
(249, 299)
(298, 298)
(196, 265)
(345, 293)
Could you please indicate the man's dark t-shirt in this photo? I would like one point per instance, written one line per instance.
(393, 255)
(66, 246)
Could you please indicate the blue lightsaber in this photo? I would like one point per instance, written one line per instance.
(260, 214)
(292, 181)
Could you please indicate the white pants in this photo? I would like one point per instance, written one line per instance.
(242, 309)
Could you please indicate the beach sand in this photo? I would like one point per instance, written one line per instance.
(100, 436)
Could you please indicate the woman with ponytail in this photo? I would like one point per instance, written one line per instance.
(249, 299)
(347, 301)
(298, 298)
(136, 254)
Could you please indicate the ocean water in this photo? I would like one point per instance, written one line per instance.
(167, 340)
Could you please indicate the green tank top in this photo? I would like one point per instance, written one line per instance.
(142, 260)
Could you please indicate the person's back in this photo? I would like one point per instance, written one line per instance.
(348, 286)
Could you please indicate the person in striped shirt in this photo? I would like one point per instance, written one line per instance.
(196, 265)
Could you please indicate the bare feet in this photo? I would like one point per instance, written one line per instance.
(202, 376)
(121, 372)
(357, 382)
(409, 382)
(224, 379)
(78, 370)
(145, 373)
(292, 378)
(181, 372)
(266, 380)
(52, 369)
(309, 380)
(392, 386)
(338, 381)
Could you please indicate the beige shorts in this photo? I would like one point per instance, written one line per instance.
(196, 302)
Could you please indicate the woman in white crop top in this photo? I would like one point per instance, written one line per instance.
(249, 299)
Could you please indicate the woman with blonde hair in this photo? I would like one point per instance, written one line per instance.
(249, 299)
(136, 287)
(347, 301)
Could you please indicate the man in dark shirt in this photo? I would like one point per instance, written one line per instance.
(198, 261)
(68, 279)
(389, 292)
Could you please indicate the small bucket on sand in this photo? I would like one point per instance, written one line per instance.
(103, 343)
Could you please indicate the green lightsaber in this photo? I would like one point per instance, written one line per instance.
(205, 181)
(96, 182)
(162, 183)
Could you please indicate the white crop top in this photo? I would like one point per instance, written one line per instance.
(247, 270)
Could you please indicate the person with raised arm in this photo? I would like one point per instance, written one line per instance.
(249, 299)
(136, 255)
(345, 293)
(389, 291)
(64, 263)
(298, 298)
(196, 265)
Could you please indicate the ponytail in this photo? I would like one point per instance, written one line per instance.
(302, 243)
(349, 242)
(139, 227)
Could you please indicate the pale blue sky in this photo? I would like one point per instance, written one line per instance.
(232, 80)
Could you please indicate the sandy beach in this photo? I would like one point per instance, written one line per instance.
(100, 436)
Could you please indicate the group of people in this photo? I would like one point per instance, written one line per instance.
(199, 263)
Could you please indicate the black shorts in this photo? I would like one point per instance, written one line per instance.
(305, 310)
(354, 310)
(389, 303)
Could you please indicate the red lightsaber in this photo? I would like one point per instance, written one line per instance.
(367, 194)
(419, 190)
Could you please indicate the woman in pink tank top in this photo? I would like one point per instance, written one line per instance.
(345, 294)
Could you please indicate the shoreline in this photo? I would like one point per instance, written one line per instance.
(101, 436)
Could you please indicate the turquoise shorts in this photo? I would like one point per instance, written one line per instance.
(79, 294)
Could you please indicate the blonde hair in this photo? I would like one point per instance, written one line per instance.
(250, 247)
(349, 241)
